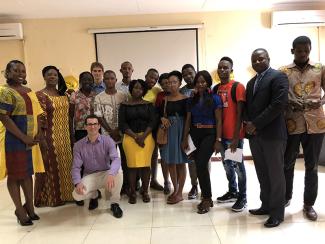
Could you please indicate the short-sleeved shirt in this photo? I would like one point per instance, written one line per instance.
(83, 107)
(122, 87)
(305, 85)
(204, 114)
(106, 106)
(152, 94)
(229, 112)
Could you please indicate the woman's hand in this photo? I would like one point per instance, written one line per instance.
(140, 140)
(165, 122)
(217, 147)
(184, 145)
(29, 141)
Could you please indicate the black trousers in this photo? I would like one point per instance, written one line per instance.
(203, 140)
(311, 144)
(268, 156)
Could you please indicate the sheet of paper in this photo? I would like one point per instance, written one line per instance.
(191, 146)
(236, 156)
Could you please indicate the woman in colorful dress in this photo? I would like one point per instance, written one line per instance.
(54, 187)
(19, 111)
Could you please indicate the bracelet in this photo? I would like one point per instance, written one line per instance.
(218, 139)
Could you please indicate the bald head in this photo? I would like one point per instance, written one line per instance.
(260, 60)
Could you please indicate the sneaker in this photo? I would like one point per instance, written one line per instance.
(228, 197)
(239, 205)
(193, 193)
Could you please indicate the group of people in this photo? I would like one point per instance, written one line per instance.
(69, 139)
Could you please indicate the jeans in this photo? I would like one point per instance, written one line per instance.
(233, 167)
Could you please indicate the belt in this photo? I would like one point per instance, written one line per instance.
(201, 126)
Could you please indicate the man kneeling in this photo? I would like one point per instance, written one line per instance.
(97, 154)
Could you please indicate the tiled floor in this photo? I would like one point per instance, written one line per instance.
(157, 222)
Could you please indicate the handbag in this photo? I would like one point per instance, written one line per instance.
(162, 132)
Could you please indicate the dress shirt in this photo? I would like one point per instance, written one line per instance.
(100, 155)
(98, 88)
(305, 85)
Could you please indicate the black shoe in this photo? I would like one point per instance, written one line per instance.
(310, 213)
(80, 203)
(93, 204)
(239, 205)
(287, 203)
(117, 211)
(193, 193)
(228, 197)
(25, 222)
(258, 211)
(156, 186)
(272, 222)
(33, 216)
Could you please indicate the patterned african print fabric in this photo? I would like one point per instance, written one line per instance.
(16, 159)
(304, 86)
(54, 187)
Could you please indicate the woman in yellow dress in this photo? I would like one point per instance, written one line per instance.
(54, 187)
(20, 155)
(137, 117)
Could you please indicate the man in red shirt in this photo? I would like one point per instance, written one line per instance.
(233, 97)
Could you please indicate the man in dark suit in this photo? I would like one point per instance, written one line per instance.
(266, 99)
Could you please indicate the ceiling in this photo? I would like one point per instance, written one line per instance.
(30, 9)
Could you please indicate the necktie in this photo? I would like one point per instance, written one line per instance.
(257, 83)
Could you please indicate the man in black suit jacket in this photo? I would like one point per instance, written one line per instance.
(266, 99)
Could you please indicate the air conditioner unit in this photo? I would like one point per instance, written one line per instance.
(11, 31)
(298, 18)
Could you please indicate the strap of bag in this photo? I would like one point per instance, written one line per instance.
(165, 105)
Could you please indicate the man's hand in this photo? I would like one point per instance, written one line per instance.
(110, 182)
(250, 128)
(80, 189)
(315, 104)
(233, 145)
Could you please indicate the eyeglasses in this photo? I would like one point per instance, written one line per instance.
(94, 124)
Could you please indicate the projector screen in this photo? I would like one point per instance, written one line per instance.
(164, 50)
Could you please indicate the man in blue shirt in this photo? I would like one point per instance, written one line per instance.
(97, 70)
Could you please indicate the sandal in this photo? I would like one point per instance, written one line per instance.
(209, 200)
(174, 200)
(205, 206)
(167, 188)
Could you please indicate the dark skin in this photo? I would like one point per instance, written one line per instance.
(301, 58)
(137, 98)
(201, 87)
(86, 83)
(126, 71)
(15, 78)
(188, 76)
(260, 62)
(110, 81)
(224, 71)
